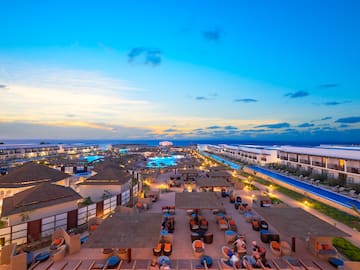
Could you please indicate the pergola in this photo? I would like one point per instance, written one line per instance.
(197, 200)
(127, 230)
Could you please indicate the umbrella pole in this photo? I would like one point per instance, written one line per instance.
(129, 255)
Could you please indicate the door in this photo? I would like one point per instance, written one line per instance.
(72, 219)
(100, 209)
(34, 230)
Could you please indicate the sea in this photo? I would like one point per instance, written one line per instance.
(104, 144)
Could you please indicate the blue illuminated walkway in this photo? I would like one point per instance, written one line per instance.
(222, 160)
(326, 194)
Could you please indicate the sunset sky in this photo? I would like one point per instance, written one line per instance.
(180, 69)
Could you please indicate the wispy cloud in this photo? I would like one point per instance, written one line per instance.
(275, 126)
(230, 128)
(3, 86)
(170, 130)
(245, 100)
(201, 98)
(212, 35)
(344, 126)
(349, 120)
(335, 103)
(326, 118)
(145, 55)
(297, 94)
(305, 125)
(213, 127)
(329, 85)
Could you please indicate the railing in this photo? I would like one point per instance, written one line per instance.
(353, 170)
(304, 161)
(318, 164)
(335, 167)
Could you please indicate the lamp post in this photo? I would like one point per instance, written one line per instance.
(250, 179)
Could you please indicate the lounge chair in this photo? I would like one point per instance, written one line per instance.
(157, 251)
(224, 264)
(167, 248)
(198, 247)
(293, 263)
(285, 248)
(223, 225)
(59, 254)
(232, 225)
(255, 224)
(275, 248)
(224, 252)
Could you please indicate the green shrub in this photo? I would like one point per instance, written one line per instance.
(346, 248)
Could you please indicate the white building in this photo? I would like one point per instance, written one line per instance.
(334, 161)
(253, 154)
(73, 149)
(11, 152)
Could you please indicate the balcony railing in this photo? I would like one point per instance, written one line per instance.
(304, 161)
(293, 159)
(335, 167)
(353, 170)
(284, 158)
(319, 164)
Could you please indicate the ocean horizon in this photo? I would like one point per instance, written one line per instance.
(106, 142)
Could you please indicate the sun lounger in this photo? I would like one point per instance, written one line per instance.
(280, 264)
(293, 263)
(223, 225)
(275, 248)
(285, 248)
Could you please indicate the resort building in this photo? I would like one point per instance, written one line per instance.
(29, 175)
(78, 149)
(14, 152)
(253, 154)
(109, 180)
(38, 202)
(333, 161)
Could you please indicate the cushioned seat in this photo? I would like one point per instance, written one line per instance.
(158, 249)
(167, 248)
(336, 262)
(113, 261)
(41, 257)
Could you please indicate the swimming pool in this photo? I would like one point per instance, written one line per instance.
(162, 162)
(91, 158)
(327, 194)
(220, 159)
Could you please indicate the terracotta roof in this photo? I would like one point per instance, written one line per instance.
(108, 173)
(30, 174)
(40, 196)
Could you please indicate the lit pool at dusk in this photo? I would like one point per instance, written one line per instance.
(162, 162)
(92, 158)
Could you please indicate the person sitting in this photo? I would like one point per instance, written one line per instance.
(239, 244)
(165, 266)
(154, 265)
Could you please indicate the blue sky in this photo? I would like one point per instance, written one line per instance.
(180, 69)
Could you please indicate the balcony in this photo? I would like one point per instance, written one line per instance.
(335, 167)
(318, 164)
(304, 161)
(353, 170)
(284, 158)
(293, 159)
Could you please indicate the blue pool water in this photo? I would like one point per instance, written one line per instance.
(327, 194)
(92, 158)
(162, 162)
(229, 163)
